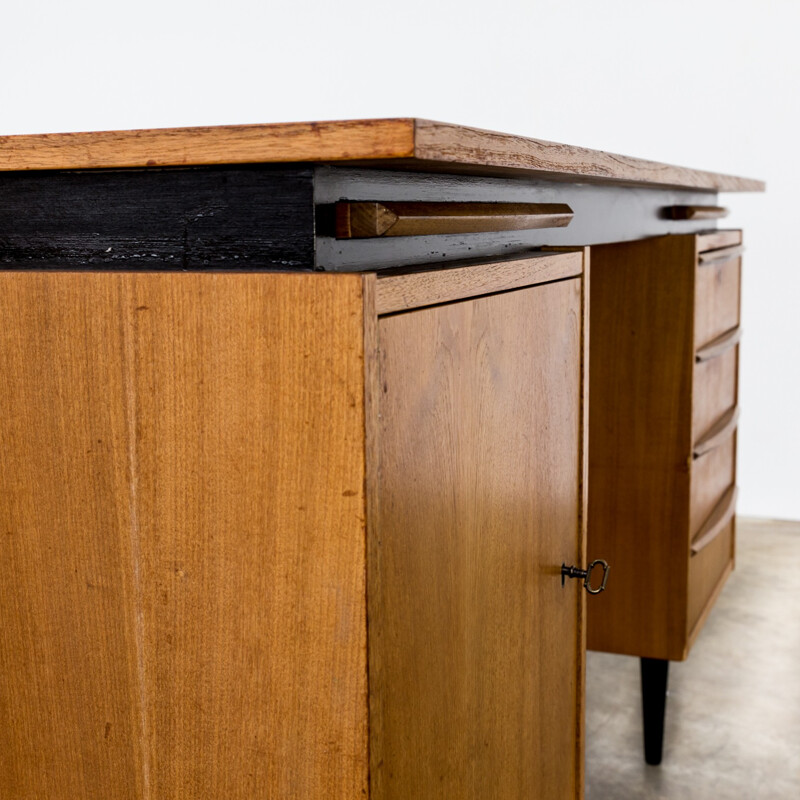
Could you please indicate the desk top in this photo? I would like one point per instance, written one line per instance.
(417, 144)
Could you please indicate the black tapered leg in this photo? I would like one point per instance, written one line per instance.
(654, 699)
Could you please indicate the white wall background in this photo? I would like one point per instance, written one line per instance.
(713, 84)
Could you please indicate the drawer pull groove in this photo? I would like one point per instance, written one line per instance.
(720, 256)
(696, 212)
(716, 240)
(719, 433)
(718, 346)
(716, 522)
(364, 220)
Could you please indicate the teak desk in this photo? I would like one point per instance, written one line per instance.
(297, 433)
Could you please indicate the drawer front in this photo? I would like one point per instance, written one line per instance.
(706, 569)
(716, 299)
(712, 474)
(714, 390)
(716, 240)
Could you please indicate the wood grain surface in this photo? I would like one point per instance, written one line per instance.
(717, 300)
(714, 390)
(640, 442)
(662, 442)
(419, 144)
(72, 684)
(714, 240)
(708, 572)
(478, 506)
(719, 517)
(719, 346)
(183, 536)
(583, 511)
(713, 474)
(717, 433)
(719, 256)
(224, 144)
(443, 142)
(400, 292)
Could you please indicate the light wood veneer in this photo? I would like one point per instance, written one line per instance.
(416, 143)
(182, 596)
(259, 541)
(478, 407)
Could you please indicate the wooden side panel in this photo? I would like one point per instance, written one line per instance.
(641, 357)
(474, 642)
(184, 544)
(252, 477)
(71, 696)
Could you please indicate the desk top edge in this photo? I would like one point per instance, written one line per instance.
(403, 143)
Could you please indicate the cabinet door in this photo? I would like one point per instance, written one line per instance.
(475, 647)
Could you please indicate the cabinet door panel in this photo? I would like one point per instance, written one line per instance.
(475, 645)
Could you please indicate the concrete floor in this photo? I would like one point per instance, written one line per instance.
(732, 730)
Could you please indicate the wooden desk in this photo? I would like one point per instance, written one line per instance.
(283, 513)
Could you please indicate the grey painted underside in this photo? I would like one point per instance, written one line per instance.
(602, 214)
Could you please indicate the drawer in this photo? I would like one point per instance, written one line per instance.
(712, 474)
(714, 389)
(716, 294)
(716, 240)
(706, 570)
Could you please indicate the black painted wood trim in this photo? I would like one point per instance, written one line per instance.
(232, 217)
